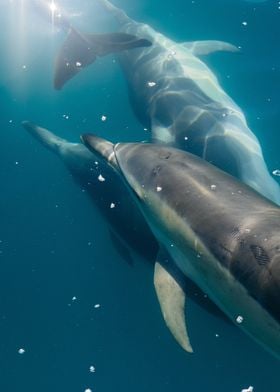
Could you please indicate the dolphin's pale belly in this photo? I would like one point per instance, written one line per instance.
(208, 267)
(220, 232)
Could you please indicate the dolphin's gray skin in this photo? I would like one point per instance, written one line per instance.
(219, 232)
(81, 49)
(127, 226)
(175, 94)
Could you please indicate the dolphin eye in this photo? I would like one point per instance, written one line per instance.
(260, 254)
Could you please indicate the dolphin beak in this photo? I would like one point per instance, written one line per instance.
(101, 148)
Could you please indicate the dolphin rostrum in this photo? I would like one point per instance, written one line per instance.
(81, 49)
(219, 232)
(175, 94)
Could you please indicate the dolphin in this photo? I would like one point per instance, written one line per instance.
(218, 231)
(81, 49)
(127, 226)
(128, 231)
(175, 94)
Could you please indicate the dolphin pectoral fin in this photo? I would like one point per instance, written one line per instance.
(199, 48)
(172, 303)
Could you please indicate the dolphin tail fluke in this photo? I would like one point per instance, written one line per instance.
(80, 50)
(45, 137)
(119, 14)
(172, 298)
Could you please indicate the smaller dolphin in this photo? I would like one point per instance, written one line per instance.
(128, 231)
(81, 49)
(219, 232)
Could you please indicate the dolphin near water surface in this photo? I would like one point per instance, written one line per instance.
(175, 94)
(219, 232)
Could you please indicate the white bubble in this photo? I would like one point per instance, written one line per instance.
(101, 178)
(74, 298)
(103, 118)
(245, 23)
(92, 369)
(96, 306)
(113, 205)
(239, 319)
(159, 188)
(276, 172)
(78, 64)
(213, 187)
(88, 390)
(21, 351)
(151, 84)
(250, 389)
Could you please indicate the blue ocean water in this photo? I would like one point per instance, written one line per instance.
(57, 260)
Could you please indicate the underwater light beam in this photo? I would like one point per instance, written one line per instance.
(50, 11)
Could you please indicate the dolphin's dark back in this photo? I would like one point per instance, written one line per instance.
(237, 225)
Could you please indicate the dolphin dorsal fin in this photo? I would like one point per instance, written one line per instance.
(172, 302)
(199, 48)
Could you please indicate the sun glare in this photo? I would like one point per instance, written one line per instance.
(53, 6)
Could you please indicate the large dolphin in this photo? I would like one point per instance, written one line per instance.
(128, 229)
(176, 95)
(220, 233)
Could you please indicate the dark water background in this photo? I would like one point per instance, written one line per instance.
(54, 245)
